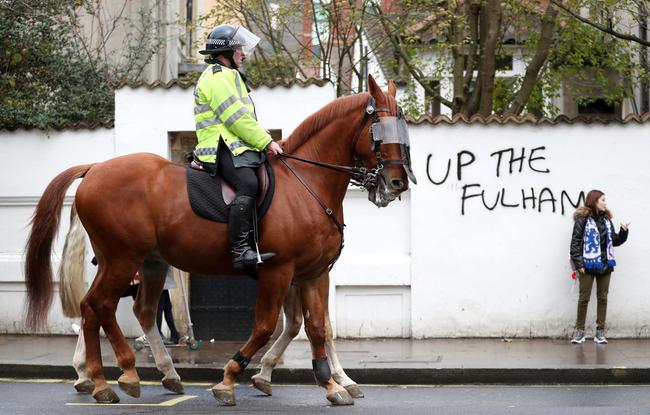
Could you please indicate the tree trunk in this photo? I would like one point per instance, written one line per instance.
(536, 63)
(490, 29)
(457, 32)
(473, 10)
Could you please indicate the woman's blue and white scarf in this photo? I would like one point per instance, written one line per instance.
(591, 249)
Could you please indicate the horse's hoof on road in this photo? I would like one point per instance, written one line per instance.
(225, 396)
(85, 386)
(354, 391)
(340, 398)
(130, 388)
(173, 385)
(262, 385)
(106, 396)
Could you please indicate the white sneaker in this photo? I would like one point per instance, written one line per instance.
(578, 337)
(600, 338)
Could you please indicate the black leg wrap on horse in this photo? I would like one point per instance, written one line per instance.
(241, 360)
(321, 369)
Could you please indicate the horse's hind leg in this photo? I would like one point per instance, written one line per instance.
(293, 322)
(152, 280)
(98, 309)
(314, 311)
(83, 383)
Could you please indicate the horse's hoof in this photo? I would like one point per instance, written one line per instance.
(85, 386)
(106, 396)
(262, 385)
(340, 398)
(130, 388)
(173, 385)
(354, 391)
(225, 396)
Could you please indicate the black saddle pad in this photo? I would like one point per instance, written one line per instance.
(206, 199)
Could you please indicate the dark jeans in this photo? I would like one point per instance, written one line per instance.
(602, 289)
(165, 306)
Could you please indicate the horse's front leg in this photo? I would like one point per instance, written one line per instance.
(273, 285)
(337, 370)
(314, 312)
(293, 322)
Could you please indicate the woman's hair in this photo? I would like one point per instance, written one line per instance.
(589, 207)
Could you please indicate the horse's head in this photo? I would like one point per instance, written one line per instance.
(385, 146)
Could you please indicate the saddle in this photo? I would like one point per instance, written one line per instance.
(210, 195)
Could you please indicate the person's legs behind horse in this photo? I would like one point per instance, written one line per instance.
(165, 308)
(240, 215)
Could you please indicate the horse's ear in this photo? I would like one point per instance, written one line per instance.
(373, 88)
(392, 89)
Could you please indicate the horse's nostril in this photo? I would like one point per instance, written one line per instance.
(397, 183)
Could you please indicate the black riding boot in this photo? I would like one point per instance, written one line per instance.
(240, 221)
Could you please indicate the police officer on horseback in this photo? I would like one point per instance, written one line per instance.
(230, 140)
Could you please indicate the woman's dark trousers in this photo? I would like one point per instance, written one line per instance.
(602, 289)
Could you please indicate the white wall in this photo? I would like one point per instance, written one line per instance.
(29, 160)
(418, 267)
(505, 272)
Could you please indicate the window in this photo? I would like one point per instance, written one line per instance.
(503, 62)
(598, 106)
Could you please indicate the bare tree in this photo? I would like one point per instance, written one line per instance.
(314, 38)
(473, 31)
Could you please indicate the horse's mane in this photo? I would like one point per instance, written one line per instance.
(321, 118)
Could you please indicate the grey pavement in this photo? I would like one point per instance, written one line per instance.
(371, 361)
(26, 398)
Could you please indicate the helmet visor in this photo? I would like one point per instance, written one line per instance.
(244, 39)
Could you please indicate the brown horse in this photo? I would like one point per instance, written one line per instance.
(135, 208)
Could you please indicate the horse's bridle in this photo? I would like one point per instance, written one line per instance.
(359, 175)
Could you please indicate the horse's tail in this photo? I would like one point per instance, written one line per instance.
(72, 270)
(38, 266)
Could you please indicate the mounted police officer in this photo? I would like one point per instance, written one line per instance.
(230, 140)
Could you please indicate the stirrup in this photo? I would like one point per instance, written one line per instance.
(250, 259)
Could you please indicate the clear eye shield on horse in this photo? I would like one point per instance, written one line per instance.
(391, 130)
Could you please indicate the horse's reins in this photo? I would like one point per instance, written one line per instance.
(359, 175)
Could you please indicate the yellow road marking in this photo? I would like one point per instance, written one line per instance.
(112, 382)
(18, 380)
(170, 402)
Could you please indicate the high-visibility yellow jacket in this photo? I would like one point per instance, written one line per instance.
(222, 108)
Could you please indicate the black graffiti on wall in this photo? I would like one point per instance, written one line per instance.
(508, 161)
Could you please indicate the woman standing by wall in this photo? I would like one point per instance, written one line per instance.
(592, 255)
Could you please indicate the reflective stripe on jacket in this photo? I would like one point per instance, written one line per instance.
(222, 108)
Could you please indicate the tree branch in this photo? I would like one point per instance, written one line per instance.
(536, 63)
(601, 27)
(415, 72)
